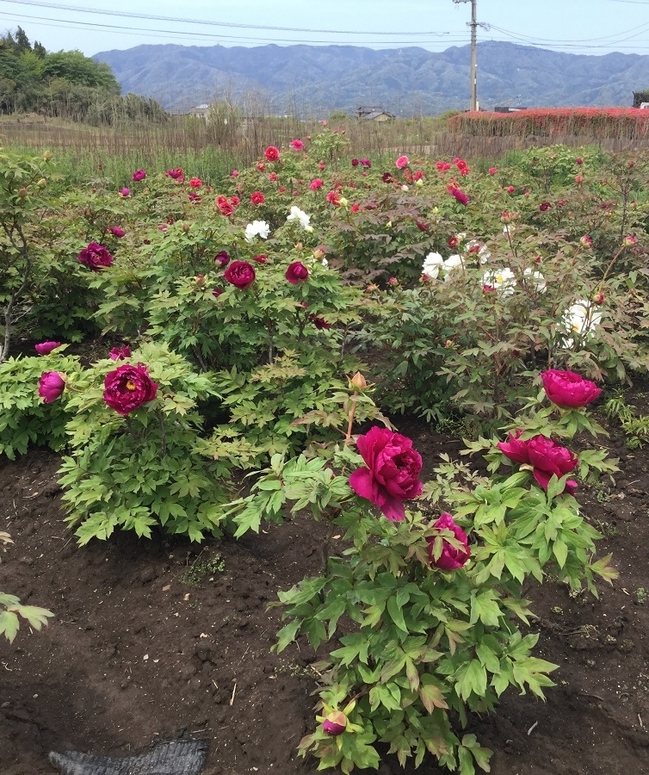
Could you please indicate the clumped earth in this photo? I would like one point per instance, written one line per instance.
(158, 639)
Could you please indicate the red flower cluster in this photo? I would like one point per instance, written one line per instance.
(226, 206)
(462, 166)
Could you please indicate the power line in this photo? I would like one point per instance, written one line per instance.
(151, 17)
(149, 31)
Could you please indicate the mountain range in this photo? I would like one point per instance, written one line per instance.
(313, 81)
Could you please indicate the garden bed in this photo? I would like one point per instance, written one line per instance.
(162, 638)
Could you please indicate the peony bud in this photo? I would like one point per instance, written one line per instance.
(358, 382)
(335, 723)
(50, 386)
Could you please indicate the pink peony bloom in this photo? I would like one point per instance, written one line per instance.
(493, 170)
(176, 174)
(271, 153)
(120, 353)
(125, 192)
(195, 182)
(297, 145)
(451, 557)
(402, 162)
(138, 175)
(50, 386)
(391, 475)
(45, 348)
(568, 389)
(235, 173)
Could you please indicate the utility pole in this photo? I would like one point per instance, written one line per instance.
(473, 24)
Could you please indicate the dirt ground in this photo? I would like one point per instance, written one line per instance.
(157, 639)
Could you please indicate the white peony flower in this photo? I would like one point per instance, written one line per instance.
(535, 279)
(299, 215)
(451, 264)
(257, 229)
(501, 280)
(580, 319)
(431, 266)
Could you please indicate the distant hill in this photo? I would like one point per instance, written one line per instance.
(315, 80)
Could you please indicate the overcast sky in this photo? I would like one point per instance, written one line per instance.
(576, 26)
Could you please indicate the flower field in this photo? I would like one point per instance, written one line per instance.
(326, 431)
(631, 123)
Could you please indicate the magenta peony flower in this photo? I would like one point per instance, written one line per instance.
(139, 175)
(335, 723)
(296, 273)
(125, 192)
(95, 257)
(271, 153)
(117, 231)
(176, 174)
(451, 557)
(402, 162)
(45, 348)
(392, 473)
(568, 389)
(461, 197)
(315, 184)
(128, 387)
(50, 386)
(240, 273)
(544, 455)
(235, 173)
(297, 145)
(365, 163)
(120, 353)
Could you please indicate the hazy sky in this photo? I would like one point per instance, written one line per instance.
(577, 26)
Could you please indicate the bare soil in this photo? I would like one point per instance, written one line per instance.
(157, 639)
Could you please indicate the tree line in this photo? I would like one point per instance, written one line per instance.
(65, 84)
